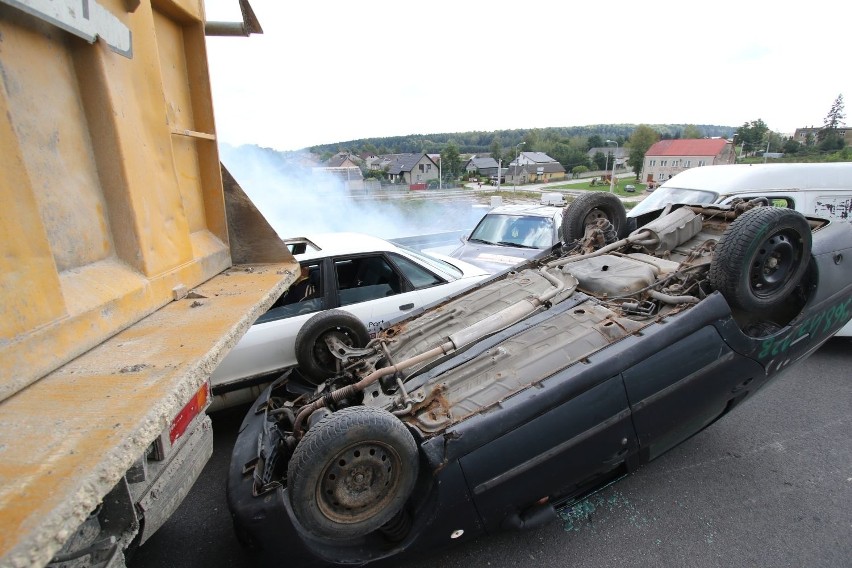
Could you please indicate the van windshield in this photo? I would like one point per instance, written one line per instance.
(665, 195)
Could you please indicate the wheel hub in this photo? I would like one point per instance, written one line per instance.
(773, 263)
(358, 483)
(327, 348)
(594, 215)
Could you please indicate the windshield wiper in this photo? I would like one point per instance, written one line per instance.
(516, 245)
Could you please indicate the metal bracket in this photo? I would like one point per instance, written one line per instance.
(83, 18)
(248, 26)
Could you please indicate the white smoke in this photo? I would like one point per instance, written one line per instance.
(299, 201)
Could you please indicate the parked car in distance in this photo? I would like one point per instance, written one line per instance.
(508, 235)
(630, 188)
(503, 405)
(372, 279)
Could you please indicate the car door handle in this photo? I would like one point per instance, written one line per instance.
(406, 306)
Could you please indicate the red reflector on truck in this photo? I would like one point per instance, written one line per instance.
(193, 408)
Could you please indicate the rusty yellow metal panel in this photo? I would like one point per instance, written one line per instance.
(113, 208)
(66, 440)
(26, 263)
(111, 181)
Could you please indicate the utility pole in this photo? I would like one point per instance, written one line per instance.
(499, 167)
(614, 160)
(517, 159)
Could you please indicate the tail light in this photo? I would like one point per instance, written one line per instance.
(193, 408)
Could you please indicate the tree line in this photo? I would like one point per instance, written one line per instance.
(476, 142)
(570, 145)
(755, 137)
(567, 145)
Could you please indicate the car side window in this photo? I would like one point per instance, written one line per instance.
(782, 202)
(416, 274)
(304, 296)
(365, 278)
(774, 200)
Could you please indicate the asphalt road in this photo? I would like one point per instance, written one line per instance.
(770, 485)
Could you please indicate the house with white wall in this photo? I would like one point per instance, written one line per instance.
(667, 158)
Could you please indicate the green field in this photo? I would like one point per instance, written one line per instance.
(618, 187)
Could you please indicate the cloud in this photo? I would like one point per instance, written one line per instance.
(335, 71)
(749, 54)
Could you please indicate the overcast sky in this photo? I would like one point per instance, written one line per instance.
(325, 72)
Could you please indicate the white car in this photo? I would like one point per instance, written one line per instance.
(511, 234)
(374, 280)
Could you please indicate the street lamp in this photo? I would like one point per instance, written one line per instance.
(614, 160)
(517, 159)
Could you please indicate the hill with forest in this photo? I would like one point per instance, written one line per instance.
(477, 142)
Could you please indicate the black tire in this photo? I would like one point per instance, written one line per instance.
(315, 361)
(590, 207)
(761, 257)
(351, 473)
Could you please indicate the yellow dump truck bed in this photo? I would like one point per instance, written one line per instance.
(127, 269)
(66, 440)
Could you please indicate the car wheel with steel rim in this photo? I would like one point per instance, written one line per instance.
(352, 473)
(761, 257)
(588, 209)
(319, 336)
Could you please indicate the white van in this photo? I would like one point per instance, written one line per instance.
(823, 190)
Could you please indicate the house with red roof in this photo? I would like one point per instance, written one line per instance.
(669, 157)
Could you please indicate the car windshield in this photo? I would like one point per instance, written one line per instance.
(514, 230)
(665, 195)
(444, 268)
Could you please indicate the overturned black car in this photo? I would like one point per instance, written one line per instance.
(498, 407)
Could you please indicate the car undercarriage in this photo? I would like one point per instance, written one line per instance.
(494, 408)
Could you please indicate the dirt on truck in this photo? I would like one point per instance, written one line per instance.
(130, 263)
